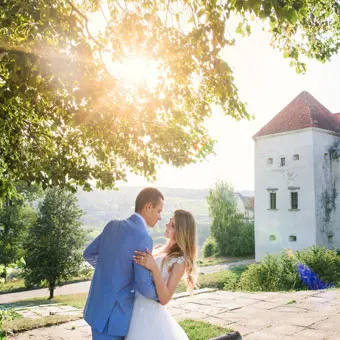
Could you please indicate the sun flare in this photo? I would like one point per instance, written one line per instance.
(136, 70)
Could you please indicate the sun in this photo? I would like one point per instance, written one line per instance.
(135, 71)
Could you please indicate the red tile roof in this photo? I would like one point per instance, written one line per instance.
(302, 112)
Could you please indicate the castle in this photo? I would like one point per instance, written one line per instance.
(297, 179)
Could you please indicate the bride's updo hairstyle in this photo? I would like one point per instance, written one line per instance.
(186, 246)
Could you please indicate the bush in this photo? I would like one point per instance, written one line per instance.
(324, 262)
(274, 273)
(2, 332)
(209, 247)
(279, 272)
(242, 240)
(7, 315)
(232, 280)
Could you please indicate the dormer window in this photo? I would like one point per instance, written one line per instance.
(283, 161)
(296, 157)
(270, 161)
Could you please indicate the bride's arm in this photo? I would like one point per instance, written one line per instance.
(164, 292)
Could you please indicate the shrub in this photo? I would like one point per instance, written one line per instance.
(242, 240)
(2, 332)
(7, 315)
(279, 272)
(232, 280)
(209, 247)
(324, 262)
(274, 273)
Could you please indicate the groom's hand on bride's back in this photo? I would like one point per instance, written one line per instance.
(143, 277)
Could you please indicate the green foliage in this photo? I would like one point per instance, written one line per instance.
(8, 315)
(234, 235)
(242, 239)
(52, 250)
(274, 273)
(16, 215)
(200, 330)
(209, 247)
(279, 272)
(67, 117)
(324, 262)
(2, 332)
(232, 280)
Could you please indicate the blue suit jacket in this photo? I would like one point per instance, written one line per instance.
(116, 275)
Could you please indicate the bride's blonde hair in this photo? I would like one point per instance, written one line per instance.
(186, 246)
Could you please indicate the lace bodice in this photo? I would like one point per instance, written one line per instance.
(165, 270)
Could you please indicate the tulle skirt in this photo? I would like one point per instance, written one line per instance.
(151, 321)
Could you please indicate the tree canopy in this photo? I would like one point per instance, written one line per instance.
(53, 246)
(232, 231)
(67, 116)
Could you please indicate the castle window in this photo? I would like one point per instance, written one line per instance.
(270, 161)
(294, 200)
(272, 237)
(292, 238)
(283, 161)
(272, 200)
(296, 157)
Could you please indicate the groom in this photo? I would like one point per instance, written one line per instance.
(110, 302)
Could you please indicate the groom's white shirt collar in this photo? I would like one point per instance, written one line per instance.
(142, 218)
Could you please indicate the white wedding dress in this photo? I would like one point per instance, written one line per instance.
(150, 320)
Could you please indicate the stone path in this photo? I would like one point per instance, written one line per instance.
(36, 312)
(259, 316)
(83, 287)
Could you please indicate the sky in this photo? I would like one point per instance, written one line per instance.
(267, 84)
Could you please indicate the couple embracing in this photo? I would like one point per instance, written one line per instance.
(132, 281)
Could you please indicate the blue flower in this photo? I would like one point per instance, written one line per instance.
(311, 279)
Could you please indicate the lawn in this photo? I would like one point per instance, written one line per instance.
(18, 285)
(213, 261)
(199, 330)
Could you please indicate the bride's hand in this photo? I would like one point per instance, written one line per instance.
(145, 259)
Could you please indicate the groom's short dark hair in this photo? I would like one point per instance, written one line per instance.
(146, 196)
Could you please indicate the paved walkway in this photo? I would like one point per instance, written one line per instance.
(83, 287)
(259, 316)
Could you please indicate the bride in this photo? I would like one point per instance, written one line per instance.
(150, 320)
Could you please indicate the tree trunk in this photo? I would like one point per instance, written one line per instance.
(51, 288)
(4, 274)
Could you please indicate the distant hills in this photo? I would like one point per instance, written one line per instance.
(100, 206)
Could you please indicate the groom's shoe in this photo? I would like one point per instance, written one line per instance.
(229, 336)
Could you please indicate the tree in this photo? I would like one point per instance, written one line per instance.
(234, 235)
(52, 250)
(16, 215)
(66, 115)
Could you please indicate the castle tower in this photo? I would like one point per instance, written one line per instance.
(297, 179)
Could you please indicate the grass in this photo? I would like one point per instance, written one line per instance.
(18, 285)
(25, 324)
(74, 300)
(214, 280)
(199, 330)
(291, 301)
(213, 261)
